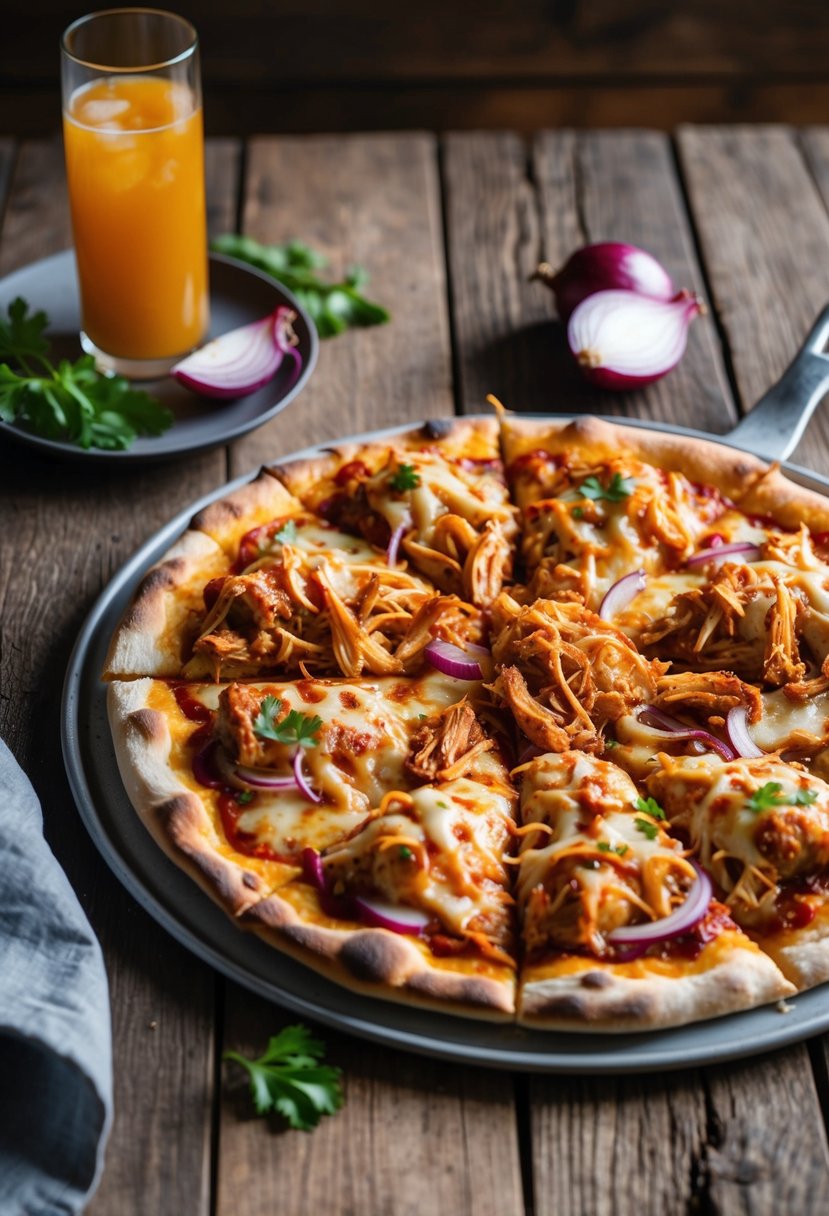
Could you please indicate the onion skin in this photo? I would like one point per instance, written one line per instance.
(604, 266)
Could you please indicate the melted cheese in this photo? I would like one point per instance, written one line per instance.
(465, 828)
(363, 744)
(787, 724)
(443, 488)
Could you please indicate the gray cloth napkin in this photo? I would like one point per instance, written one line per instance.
(55, 1039)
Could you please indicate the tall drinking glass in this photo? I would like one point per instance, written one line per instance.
(132, 125)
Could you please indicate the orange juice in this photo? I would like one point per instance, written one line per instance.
(135, 167)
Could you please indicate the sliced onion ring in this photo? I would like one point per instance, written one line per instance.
(679, 921)
(721, 553)
(338, 906)
(678, 730)
(621, 593)
(302, 780)
(452, 661)
(736, 726)
(260, 779)
(394, 544)
(396, 917)
(204, 766)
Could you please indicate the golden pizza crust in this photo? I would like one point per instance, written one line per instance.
(586, 995)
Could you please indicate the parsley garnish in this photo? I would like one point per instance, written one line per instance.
(405, 477)
(578, 512)
(405, 853)
(620, 488)
(604, 846)
(286, 534)
(334, 307)
(244, 797)
(296, 728)
(289, 1078)
(649, 806)
(72, 402)
(770, 795)
(649, 829)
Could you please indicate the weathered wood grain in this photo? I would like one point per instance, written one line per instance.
(764, 234)
(414, 1136)
(67, 528)
(395, 1149)
(372, 201)
(505, 214)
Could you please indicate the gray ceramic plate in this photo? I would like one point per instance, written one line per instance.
(188, 914)
(238, 294)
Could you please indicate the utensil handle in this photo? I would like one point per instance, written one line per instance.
(775, 425)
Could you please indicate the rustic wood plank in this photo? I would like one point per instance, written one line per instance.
(395, 1148)
(414, 1136)
(503, 216)
(764, 234)
(373, 201)
(623, 1147)
(66, 533)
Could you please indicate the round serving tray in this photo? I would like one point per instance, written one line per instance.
(175, 901)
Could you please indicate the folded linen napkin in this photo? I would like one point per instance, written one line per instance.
(55, 1039)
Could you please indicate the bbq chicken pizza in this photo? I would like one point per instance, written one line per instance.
(514, 719)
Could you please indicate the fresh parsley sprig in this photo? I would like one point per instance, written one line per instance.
(289, 1078)
(405, 477)
(296, 728)
(618, 490)
(770, 795)
(72, 402)
(649, 806)
(334, 307)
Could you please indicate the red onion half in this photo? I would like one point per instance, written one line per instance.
(682, 919)
(670, 728)
(621, 593)
(721, 553)
(622, 340)
(450, 660)
(241, 361)
(602, 267)
(736, 726)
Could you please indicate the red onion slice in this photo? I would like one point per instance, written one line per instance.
(394, 544)
(312, 870)
(736, 726)
(338, 906)
(721, 553)
(621, 593)
(204, 766)
(678, 730)
(302, 780)
(450, 660)
(261, 780)
(679, 921)
(396, 917)
(235, 364)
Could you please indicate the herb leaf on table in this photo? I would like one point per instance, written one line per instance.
(333, 307)
(289, 1078)
(71, 402)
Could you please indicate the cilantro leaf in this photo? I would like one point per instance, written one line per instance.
(649, 806)
(287, 533)
(405, 853)
(405, 477)
(289, 1078)
(603, 846)
(770, 795)
(619, 489)
(334, 307)
(295, 728)
(645, 826)
(71, 402)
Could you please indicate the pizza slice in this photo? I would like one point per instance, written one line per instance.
(619, 929)
(435, 494)
(258, 584)
(234, 781)
(761, 827)
(415, 903)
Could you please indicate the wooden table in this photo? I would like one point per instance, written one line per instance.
(450, 233)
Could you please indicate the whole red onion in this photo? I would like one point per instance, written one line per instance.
(606, 266)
